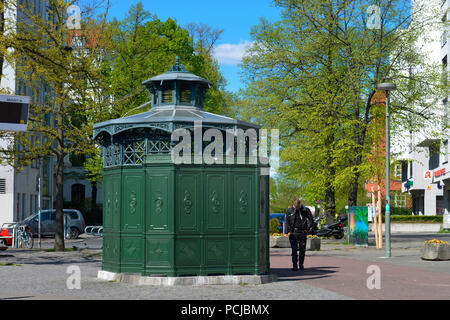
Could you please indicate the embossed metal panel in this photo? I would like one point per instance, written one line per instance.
(188, 202)
(216, 252)
(158, 252)
(111, 207)
(132, 254)
(110, 249)
(215, 203)
(192, 220)
(115, 203)
(107, 202)
(243, 251)
(188, 252)
(243, 203)
(160, 190)
(133, 200)
(263, 202)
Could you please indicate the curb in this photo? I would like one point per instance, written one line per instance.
(139, 280)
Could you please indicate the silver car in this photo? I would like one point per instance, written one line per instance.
(48, 222)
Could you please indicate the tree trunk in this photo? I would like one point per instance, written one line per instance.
(330, 205)
(59, 234)
(2, 30)
(94, 198)
(353, 191)
(330, 193)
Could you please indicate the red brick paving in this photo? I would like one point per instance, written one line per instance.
(348, 276)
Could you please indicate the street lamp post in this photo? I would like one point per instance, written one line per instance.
(387, 87)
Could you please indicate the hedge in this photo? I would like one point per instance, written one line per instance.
(417, 219)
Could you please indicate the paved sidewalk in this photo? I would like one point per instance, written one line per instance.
(348, 276)
(338, 271)
(42, 275)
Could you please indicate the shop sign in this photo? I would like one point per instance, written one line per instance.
(439, 172)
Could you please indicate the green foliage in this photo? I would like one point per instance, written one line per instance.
(313, 76)
(282, 193)
(322, 221)
(416, 219)
(395, 211)
(141, 46)
(65, 83)
(274, 226)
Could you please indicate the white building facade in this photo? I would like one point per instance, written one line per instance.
(425, 165)
(441, 172)
(19, 192)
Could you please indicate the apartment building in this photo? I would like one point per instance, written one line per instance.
(19, 193)
(425, 168)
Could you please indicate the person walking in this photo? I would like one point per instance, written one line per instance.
(298, 222)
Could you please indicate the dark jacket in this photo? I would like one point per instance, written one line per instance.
(306, 221)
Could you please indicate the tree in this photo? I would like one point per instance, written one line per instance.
(2, 32)
(282, 193)
(61, 80)
(313, 75)
(141, 46)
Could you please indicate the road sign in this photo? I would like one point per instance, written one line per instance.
(14, 112)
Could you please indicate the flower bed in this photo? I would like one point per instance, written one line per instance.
(435, 250)
(277, 240)
(313, 243)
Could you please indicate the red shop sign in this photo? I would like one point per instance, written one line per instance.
(439, 172)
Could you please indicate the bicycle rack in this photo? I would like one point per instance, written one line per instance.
(94, 230)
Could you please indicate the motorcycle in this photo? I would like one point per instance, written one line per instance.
(335, 229)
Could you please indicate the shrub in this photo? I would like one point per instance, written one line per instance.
(419, 219)
(274, 226)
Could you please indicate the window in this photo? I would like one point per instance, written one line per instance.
(198, 98)
(404, 170)
(410, 169)
(185, 94)
(398, 171)
(45, 216)
(445, 122)
(444, 69)
(78, 193)
(2, 186)
(433, 162)
(23, 206)
(72, 215)
(445, 151)
(445, 32)
(399, 200)
(166, 94)
(31, 204)
(78, 41)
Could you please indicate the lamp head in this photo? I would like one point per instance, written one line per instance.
(387, 86)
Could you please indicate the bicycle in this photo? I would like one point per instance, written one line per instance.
(25, 237)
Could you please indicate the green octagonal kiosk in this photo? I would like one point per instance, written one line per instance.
(168, 211)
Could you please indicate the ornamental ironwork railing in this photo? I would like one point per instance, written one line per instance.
(132, 153)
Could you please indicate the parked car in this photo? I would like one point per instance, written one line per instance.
(280, 217)
(48, 222)
(5, 235)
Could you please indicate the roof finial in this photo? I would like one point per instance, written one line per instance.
(177, 67)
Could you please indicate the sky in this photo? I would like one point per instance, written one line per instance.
(235, 17)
